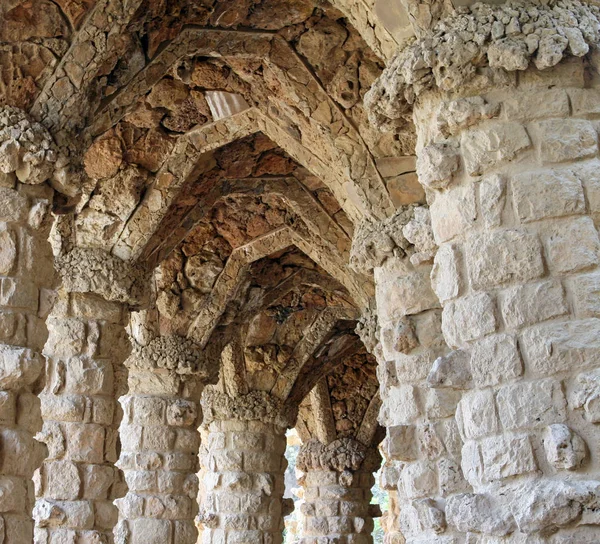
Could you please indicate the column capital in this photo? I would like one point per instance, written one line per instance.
(341, 455)
(407, 233)
(94, 270)
(175, 354)
(28, 152)
(503, 38)
(253, 406)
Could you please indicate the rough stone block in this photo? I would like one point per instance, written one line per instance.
(531, 303)
(401, 291)
(61, 480)
(505, 456)
(445, 274)
(588, 172)
(441, 403)
(85, 442)
(531, 404)
(13, 206)
(492, 143)
(564, 448)
(472, 463)
(495, 359)
(492, 199)
(401, 443)
(451, 370)
(566, 139)
(534, 105)
(477, 512)
(519, 253)
(453, 212)
(19, 293)
(400, 406)
(562, 346)
(468, 318)
(419, 479)
(585, 293)
(8, 251)
(150, 531)
(436, 165)
(476, 414)
(547, 193)
(572, 245)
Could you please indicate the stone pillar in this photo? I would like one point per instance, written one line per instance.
(85, 351)
(337, 483)
(244, 464)
(160, 442)
(511, 168)
(26, 278)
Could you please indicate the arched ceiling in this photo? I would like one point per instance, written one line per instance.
(223, 144)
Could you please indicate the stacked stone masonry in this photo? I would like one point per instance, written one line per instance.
(160, 442)
(26, 280)
(497, 440)
(243, 482)
(337, 481)
(78, 481)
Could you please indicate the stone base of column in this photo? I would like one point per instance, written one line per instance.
(244, 482)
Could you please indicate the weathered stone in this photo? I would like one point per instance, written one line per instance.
(468, 318)
(495, 359)
(565, 449)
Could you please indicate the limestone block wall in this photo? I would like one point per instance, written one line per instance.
(337, 484)
(500, 441)
(78, 481)
(243, 475)
(26, 278)
(514, 210)
(160, 443)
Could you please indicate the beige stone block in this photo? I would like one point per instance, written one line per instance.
(61, 480)
(150, 531)
(468, 318)
(401, 443)
(13, 206)
(85, 442)
(566, 139)
(472, 463)
(8, 251)
(564, 448)
(505, 456)
(561, 346)
(585, 293)
(63, 407)
(531, 404)
(87, 376)
(476, 415)
(519, 253)
(419, 479)
(400, 406)
(492, 199)
(547, 193)
(571, 245)
(453, 212)
(402, 291)
(445, 274)
(492, 143)
(96, 481)
(141, 481)
(495, 359)
(94, 307)
(441, 403)
(535, 105)
(158, 438)
(186, 440)
(13, 494)
(67, 337)
(19, 293)
(529, 304)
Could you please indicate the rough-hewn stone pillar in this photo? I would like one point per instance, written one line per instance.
(510, 164)
(26, 276)
(337, 483)
(85, 351)
(244, 464)
(160, 442)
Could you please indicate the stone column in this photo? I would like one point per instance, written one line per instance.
(337, 483)
(510, 164)
(244, 465)
(26, 278)
(85, 351)
(160, 442)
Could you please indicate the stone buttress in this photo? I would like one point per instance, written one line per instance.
(506, 113)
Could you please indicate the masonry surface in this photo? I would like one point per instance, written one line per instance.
(371, 221)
